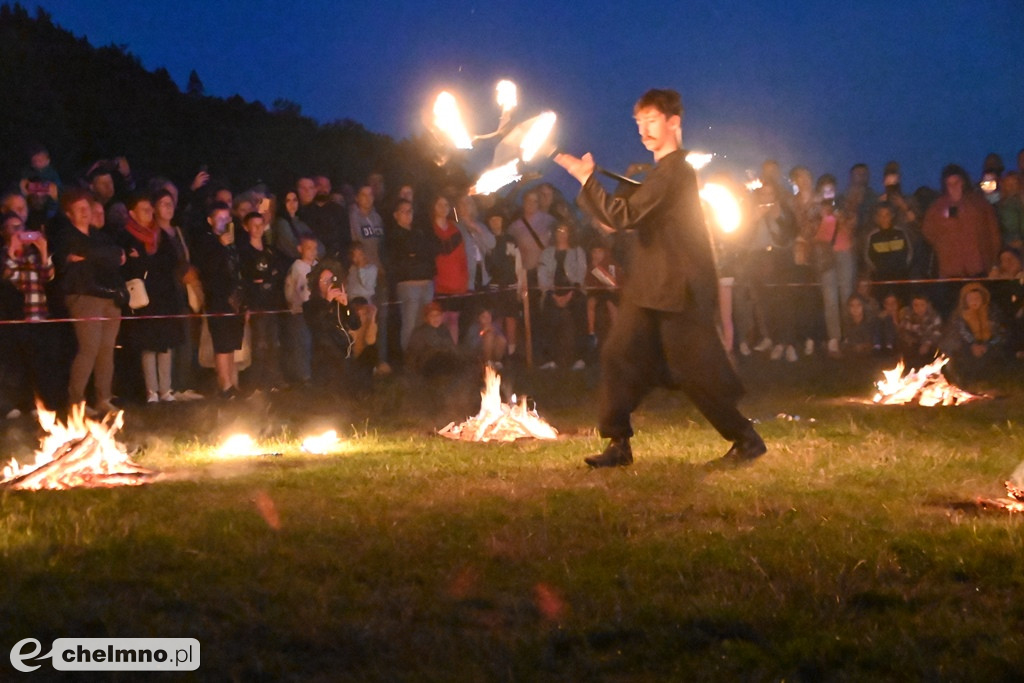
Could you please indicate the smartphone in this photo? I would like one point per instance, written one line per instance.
(30, 236)
(954, 211)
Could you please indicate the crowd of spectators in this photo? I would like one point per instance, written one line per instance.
(115, 284)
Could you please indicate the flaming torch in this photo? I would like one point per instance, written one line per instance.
(530, 140)
(448, 120)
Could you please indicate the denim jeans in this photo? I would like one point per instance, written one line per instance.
(413, 295)
(836, 287)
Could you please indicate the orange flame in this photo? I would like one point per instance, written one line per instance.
(82, 452)
(927, 387)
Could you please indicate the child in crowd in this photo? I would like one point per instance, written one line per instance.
(920, 329)
(860, 329)
(298, 340)
(484, 339)
(889, 323)
(361, 285)
(600, 285)
(975, 336)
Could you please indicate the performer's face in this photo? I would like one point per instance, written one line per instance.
(659, 133)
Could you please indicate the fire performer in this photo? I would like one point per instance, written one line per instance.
(665, 332)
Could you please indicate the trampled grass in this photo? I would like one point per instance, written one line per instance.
(843, 554)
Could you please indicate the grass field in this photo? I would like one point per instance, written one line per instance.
(844, 554)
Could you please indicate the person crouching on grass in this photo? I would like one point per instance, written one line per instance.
(665, 332)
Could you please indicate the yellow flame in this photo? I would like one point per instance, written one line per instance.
(448, 120)
(754, 184)
(699, 159)
(238, 444)
(493, 179)
(321, 444)
(506, 95)
(538, 134)
(725, 210)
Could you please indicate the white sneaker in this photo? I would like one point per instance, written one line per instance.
(152, 397)
(791, 354)
(550, 365)
(833, 348)
(579, 365)
(777, 352)
(744, 349)
(764, 345)
(167, 396)
(809, 347)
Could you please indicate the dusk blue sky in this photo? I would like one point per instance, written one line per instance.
(825, 84)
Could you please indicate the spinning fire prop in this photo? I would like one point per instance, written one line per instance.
(927, 387)
(499, 421)
(82, 452)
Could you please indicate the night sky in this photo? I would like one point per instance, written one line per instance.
(825, 84)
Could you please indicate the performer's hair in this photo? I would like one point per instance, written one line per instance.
(666, 101)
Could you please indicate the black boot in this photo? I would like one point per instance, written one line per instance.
(744, 451)
(617, 454)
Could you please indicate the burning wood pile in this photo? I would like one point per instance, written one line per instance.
(927, 387)
(82, 452)
(499, 421)
(1014, 501)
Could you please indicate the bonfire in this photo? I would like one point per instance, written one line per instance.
(926, 387)
(82, 452)
(498, 421)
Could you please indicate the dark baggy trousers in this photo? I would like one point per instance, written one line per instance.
(649, 348)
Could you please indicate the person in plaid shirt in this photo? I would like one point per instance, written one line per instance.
(27, 265)
(27, 268)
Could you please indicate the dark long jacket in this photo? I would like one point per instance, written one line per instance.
(672, 267)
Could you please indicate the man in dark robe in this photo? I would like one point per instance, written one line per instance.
(665, 332)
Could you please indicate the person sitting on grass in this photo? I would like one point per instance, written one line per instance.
(1008, 296)
(484, 340)
(920, 330)
(431, 351)
(889, 322)
(975, 336)
(860, 330)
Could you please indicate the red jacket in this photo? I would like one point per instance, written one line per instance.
(966, 244)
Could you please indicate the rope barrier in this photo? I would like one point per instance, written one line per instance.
(472, 295)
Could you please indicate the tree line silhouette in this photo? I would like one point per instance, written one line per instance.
(85, 103)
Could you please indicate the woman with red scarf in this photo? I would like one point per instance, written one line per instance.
(160, 262)
(452, 279)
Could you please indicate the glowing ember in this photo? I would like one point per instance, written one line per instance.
(499, 421)
(754, 184)
(448, 120)
(322, 444)
(82, 452)
(725, 210)
(926, 387)
(494, 179)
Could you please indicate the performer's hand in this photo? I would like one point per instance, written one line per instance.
(580, 169)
